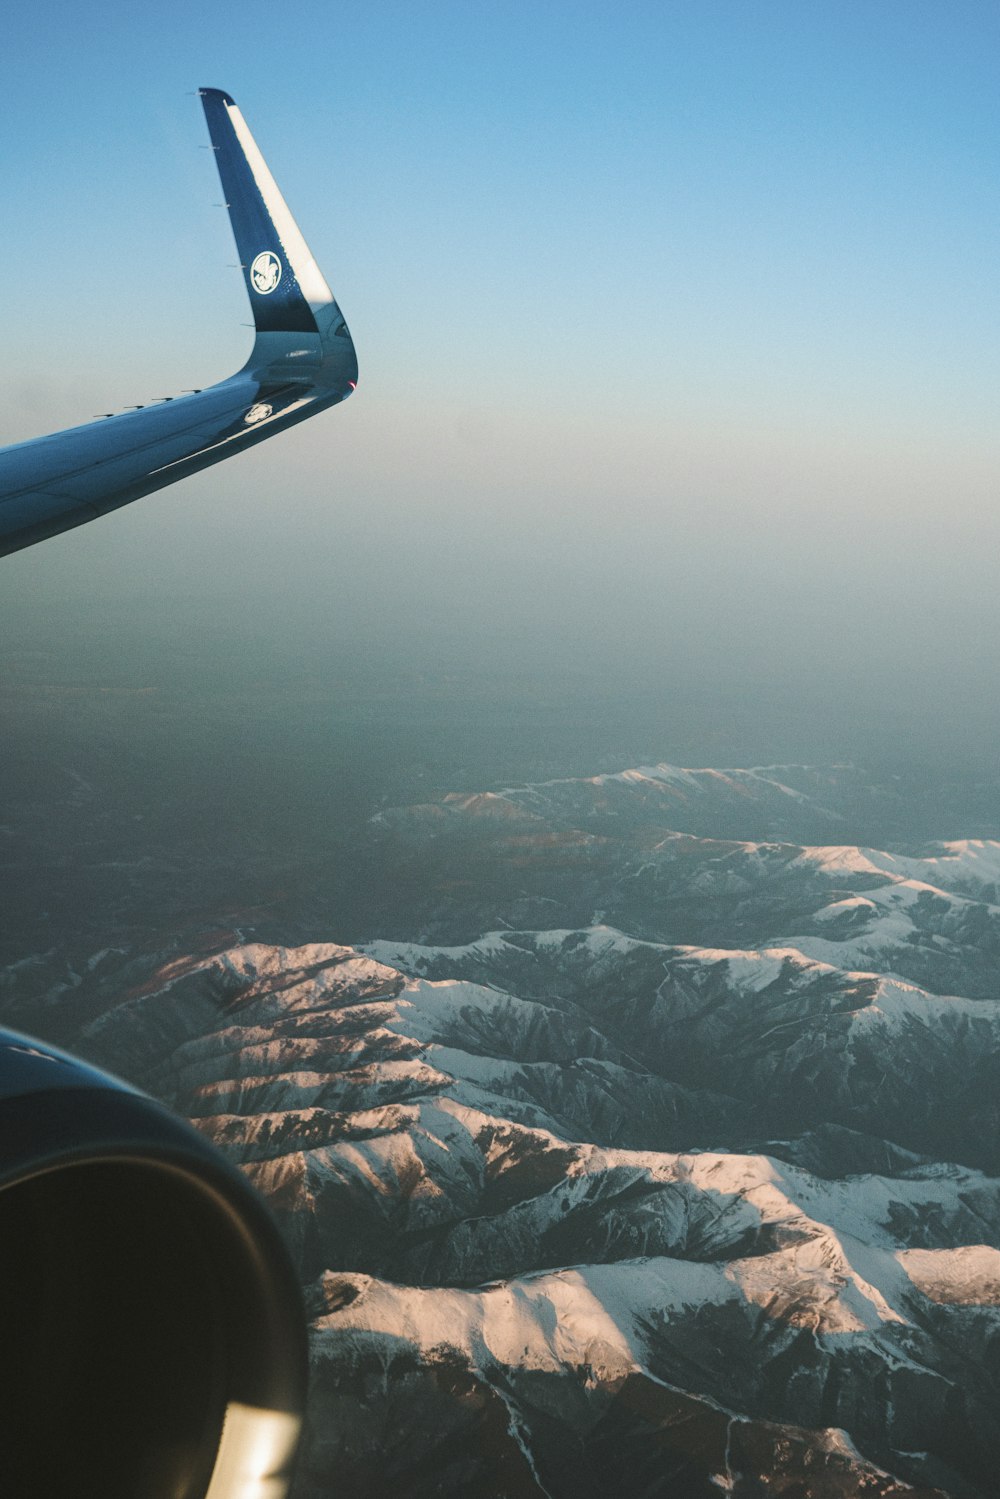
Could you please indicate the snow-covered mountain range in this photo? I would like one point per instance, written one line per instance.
(650, 1147)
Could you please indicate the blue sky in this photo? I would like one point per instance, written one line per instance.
(694, 300)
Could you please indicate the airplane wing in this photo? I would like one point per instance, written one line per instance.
(303, 360)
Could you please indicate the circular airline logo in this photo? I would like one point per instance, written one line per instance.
(265, 273)
(258, 413)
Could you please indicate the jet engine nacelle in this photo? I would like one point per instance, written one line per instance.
(152, 1339)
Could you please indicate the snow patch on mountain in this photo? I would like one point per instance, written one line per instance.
(968, 1275)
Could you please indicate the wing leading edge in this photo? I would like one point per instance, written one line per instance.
(303, 361)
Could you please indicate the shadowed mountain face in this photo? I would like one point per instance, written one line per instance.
(648, 1145)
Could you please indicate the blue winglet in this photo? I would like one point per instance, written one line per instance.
(285, 286)
(302, 362)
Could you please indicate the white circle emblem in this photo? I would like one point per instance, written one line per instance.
(258, 413)
(265, 273)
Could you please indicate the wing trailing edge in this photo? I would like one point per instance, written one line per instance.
(303, 361)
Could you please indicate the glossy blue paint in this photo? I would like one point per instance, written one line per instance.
(302, 362)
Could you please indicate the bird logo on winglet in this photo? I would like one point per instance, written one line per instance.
(265, 273)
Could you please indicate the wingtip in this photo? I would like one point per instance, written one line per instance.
(217, 93)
